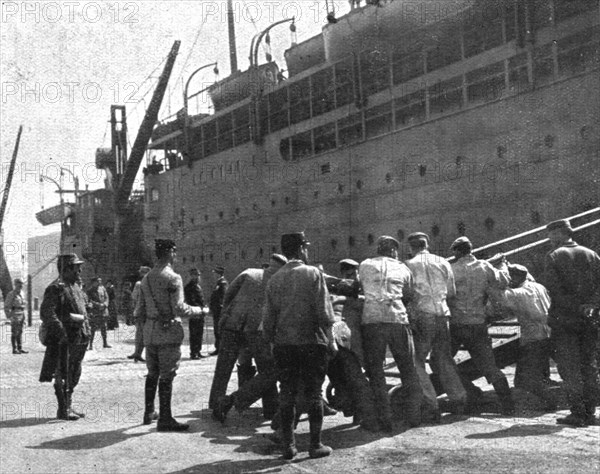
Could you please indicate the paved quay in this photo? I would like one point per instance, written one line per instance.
(111, 439)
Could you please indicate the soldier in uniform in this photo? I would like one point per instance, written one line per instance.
(573, 280)
(160, 308)
(139, 326)
(14, 307)
(194, 297)
(64, 314)
(216, 304)
(98, 298)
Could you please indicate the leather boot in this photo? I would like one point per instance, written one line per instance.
(288, 415)
(63, 412)
(315, 420)
(149, 395)
(13, 341)
(20, 345)
(506, 401)
(166, 422)
(104, 339)
(69, 400)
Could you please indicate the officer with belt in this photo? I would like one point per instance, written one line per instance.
(161, 307)
(14, 307)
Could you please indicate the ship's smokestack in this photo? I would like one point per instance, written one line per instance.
(232, 48)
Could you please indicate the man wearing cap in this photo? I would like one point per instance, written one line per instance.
(530, 302)
(161, 307)
(240, 329)
(14, 308)
(572, 276)
(468, 328)
(429, 317)
(139, 325)
(216, 303)
(194, 297)
(386, 282)
(98, 298)
(297, 317)
(64, 315)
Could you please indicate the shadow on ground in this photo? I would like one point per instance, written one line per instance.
(518, 431)
(97, 440)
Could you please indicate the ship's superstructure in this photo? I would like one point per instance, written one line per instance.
(480, 118)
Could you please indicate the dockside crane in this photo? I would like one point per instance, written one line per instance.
(5, 279)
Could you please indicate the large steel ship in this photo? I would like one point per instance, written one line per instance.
(476, 118)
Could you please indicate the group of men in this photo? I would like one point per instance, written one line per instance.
(299, 324)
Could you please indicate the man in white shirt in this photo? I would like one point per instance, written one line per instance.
(386, 282)
(429, 316)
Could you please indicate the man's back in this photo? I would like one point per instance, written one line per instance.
(472, 278)
(297, 308)
(434, 282)
(242, 305)
(572, 277)
(385, 281)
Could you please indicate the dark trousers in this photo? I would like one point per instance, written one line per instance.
(575, 355)
(196, 333)
(264, 382)
(216, 314)
(16, 332)
(231, 342)
(376, 339)
(532, 366)
(68, 368)
(475, 339)
(352, 391)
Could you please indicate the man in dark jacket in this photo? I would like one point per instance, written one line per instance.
(98, 298)
(64, 313)
(194, 297)
(296, 319)
(573, 281)
(216, 304)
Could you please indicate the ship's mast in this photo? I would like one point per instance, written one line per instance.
(232, 47)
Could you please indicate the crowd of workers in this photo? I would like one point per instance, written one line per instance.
(300, 325)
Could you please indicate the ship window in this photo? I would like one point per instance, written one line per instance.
(154, 194)
(324, 138)
(378, 120)
(333, 243)
(344, 82)
(301, 145)
(461, 228)
(220, 214)
(202, 258)
(273, 202)
(410, 109)
(278, 109)
(446, 51)
(243, 254)
(388, 178)
(316, 195)
(564, 9)
(518, 73)
(300, 101)
(486, 83)
(284, 149)
(206, 217)
(237, 211)
(579, 52)
(370, 239)
(483, 32)
(209, 131)
(287, 200)
(359, 184)
(341, 188)
(400, 234)
(435, 230)
(225, 127)
(323, 92)
(350, 129)
(543, 65)
(351, 241)
(241, 124)
(536, 218)
(325, 168)
(374, 71)
(489, 223)
(193, 258)
(407, 66)
(446, 96)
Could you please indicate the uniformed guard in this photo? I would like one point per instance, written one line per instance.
(14, 307)
(216, 303)
(160, 308)
(65, 319)
(99, 300)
